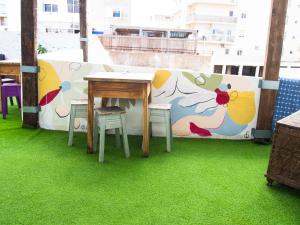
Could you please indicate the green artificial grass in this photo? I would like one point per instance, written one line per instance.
(43, 181)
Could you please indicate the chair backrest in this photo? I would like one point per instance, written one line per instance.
(2, 57)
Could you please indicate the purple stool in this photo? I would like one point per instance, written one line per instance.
(5, 81)
(9, 90)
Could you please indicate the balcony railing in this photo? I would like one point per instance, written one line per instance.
(217, 38)
(224, 2)
(211, 19)
(151, 44)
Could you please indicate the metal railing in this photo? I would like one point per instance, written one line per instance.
(230, 2)
(149, 44)
(214, 19)
(217, 38)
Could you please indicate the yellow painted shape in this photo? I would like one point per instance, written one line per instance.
(241, 107)
(48, 78)
(161, 76)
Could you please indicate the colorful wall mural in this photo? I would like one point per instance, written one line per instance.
(210, 106)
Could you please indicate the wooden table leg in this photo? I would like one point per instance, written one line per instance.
(90, 119)
(145, 126)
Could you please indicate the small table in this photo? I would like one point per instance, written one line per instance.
(11, 69)
(119, 85)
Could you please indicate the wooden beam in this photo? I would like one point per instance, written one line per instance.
(272, 62)
(29, 58)
(83, 29)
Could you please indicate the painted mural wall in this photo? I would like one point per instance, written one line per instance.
(211, 106)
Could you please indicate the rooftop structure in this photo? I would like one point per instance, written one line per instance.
(132, 38)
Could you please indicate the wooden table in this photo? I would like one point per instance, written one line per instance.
(119, 85)
(10, 69)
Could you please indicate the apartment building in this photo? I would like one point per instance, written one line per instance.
(58, 16)
(247, 55)
(63, 15)
(3, 15)
(161, 21)
(291, 45)
(215, 20)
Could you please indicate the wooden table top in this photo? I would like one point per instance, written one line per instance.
(10, 62)
(121, 77)
(293, 120)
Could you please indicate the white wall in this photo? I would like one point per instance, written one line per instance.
(10, 42)
(291, 45)
(212, 9)
(13, 15)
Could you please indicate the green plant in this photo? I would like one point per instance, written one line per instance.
(41, 49)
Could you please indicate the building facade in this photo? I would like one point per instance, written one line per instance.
(291, 45)
(247, 55)
(215, 20)
(62, 16)
(3, 15)
(58, 16)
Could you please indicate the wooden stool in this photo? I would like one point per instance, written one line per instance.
(110, 118)
(161, 113)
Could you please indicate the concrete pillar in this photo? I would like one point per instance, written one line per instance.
(224, 69)
(257, 71)
(240, 70)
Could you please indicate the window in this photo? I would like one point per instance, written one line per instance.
(73, 6)
(50, 8)
(116, 13)
(243, 15)
(230, 13)
(47, 7)
(218, 69)
(239, 52)
(54, 8)
(232, 70)
(249, 71)
(227, 51)
(3, 21)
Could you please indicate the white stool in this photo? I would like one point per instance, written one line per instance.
(161, 113)
(110, 118)
(79, 109)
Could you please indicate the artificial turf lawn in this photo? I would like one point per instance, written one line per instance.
(43, 181)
